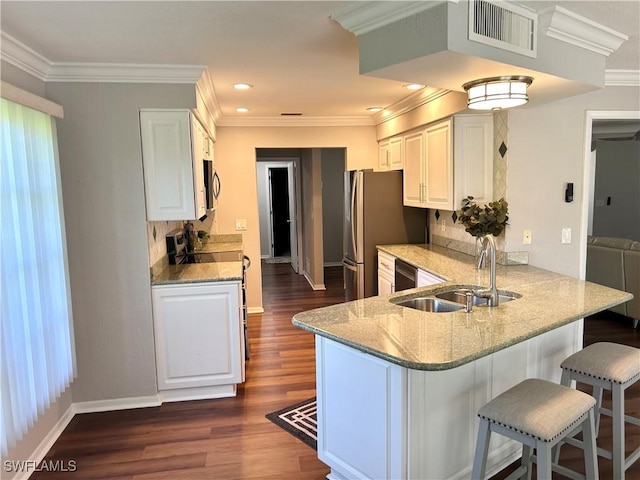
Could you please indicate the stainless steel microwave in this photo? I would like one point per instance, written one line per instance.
(211, 184)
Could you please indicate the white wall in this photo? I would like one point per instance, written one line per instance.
(546, 150)
(618, 177)
(103, 192)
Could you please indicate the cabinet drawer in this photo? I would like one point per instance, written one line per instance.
(386, 263)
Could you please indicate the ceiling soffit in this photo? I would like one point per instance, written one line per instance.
(430, 46)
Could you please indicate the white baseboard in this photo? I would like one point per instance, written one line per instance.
(47, 442)
(251, 310)
(116, 404)
(197, 393)
(314, 285)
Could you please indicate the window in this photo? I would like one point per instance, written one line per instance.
(37, 349)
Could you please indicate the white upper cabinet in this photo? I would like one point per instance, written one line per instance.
(449, 160)
(391, 155)
(428, 167)
(473, 157)
(173, 142)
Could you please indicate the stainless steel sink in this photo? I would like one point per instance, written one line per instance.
(431, 304)
(458, 296)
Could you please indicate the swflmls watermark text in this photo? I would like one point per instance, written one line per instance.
(30, 466)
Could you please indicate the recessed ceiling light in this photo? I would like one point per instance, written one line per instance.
(242, 86)
(375, 109)
(242, 109)
(413, 86)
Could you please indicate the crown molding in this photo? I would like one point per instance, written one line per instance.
(363, 17)
(566, 26)
(359, 121)
(410, 102)
(21, 56)
(208, 92)
(124, 73)
(622, 78)
(26, 59)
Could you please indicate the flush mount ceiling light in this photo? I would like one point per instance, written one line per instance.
(242, 86)
(413, 86)
(242, 109)
(375, 109)
(496, 93)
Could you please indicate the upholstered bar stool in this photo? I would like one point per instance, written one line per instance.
(538, 414)
(613, 367)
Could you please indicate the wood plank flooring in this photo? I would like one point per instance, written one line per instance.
(231, 438)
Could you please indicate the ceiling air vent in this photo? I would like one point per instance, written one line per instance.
(503, 25)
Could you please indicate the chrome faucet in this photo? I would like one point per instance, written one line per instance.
(491, 293)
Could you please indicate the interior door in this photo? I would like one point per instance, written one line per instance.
(281, 222)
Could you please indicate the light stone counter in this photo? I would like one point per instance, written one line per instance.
(441, 341)
(199, 273)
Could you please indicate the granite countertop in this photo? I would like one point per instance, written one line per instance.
(440, 341)
(203, 272)
(199, 273)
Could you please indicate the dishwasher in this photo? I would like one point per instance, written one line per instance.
(405, 276)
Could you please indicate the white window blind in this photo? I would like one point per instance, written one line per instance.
(37, 354)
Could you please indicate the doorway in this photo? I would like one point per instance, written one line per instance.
(588, 198)
(278, 210)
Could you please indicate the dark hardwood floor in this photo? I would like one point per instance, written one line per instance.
(231, 438)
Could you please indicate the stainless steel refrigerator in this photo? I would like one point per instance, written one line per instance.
(374, 215)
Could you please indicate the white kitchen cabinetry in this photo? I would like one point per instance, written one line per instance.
(428, 171)
(386, 273)
(449, 160)
(426, 278)
(391, 155)
(199, 347)
(379, 420)
(473, 158)
(173, 148)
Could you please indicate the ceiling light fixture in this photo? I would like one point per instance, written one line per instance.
(242, 109)
(413, 86)
(242, 86)
(496, 93)
(375, 109)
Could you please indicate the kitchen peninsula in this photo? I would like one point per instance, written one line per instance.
(398, 389)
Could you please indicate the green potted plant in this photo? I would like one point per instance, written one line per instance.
(480, 220)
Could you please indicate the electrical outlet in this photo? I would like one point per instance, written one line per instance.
(526, 237)
(241, 223)
(566, 235)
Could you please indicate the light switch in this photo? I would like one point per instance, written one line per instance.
(241, 223)
(566, 235)
(526, 237)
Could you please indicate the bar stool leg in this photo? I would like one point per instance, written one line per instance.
(590, 448)
(597, 394)
(544, 461)
(527, 451)
(482, 450)
(617, 397)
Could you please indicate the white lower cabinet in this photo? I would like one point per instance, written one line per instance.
(386, 273)
(378, 420)
(426, 278)
(198, 338)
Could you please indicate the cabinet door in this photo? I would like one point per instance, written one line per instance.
(383, 155)
(199, 146)
(168, 165)
(412, 178)
(396, 153)
(439, 166)
(473, 157)
(197, 335)
(385, 284)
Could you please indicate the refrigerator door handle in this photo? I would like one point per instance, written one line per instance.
(354, 187)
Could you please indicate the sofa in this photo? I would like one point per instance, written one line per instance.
(615, 262)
